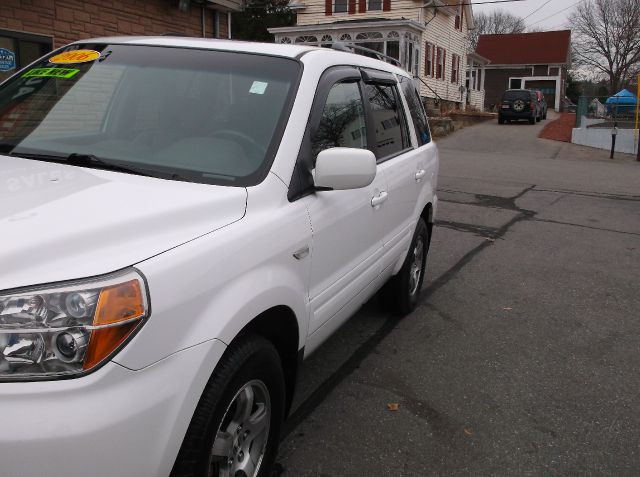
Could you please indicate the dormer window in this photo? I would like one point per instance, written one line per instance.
(375, 5)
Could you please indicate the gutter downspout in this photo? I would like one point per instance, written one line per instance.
(229, 25)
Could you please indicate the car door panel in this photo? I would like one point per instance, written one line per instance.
(347, 237)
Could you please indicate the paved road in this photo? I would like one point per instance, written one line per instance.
(524, 356)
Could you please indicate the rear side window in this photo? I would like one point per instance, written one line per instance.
(418, 115)
(342, 123)
(512, 95)
(390, 129)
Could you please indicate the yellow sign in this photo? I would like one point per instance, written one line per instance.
(75, 56)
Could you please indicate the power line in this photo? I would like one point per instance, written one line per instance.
(537, 9)
(556, 13)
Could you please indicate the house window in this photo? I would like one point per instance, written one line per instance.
(440, 62)
(375, 5)
(515, 83)
(428, 62)
(455, 68)
(459, 17)
(340, 6)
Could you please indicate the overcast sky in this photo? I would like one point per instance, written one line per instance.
(549, 17)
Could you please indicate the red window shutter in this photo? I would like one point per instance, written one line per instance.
(457, 21)
(436, 64)
(461, 17)
(459, 79)
(362, 7)
(386, 5)
(328, 7)
(352, 7)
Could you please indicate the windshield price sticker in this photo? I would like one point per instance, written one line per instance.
(75, 56)
(258, 87)
(51, 73)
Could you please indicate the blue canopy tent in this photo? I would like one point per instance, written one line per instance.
(622, 104)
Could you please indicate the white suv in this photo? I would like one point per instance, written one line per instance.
(182, 222)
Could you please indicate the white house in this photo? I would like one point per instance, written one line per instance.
(428, 37)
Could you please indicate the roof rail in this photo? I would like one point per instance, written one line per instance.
(361, 50)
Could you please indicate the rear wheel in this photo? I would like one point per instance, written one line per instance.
(402, 292)
(235, 428)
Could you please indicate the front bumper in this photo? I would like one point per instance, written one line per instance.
(112, 422)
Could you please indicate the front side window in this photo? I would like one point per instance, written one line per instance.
(390, 131)
(342, 123)
(340, 6)
(174, 113)
(418, 115)
(375, 5)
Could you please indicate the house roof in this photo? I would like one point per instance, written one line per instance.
(540, 48)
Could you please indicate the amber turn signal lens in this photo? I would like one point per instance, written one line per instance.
(119, 303)
(104, 341)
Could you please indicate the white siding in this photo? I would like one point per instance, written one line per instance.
(314, 13)
(440, 31)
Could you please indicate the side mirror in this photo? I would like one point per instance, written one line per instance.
(341, 168)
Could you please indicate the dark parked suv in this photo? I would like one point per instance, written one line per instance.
(519, 104)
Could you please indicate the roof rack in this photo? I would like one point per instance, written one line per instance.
(361, 50)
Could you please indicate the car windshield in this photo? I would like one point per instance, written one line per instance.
(511, 95)
(187, 114)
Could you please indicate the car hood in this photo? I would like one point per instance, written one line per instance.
(61, 222)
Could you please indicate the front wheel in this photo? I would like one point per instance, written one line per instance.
(402, 292)
(236, 425)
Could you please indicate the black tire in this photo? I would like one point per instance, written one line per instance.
(250, 360)
(538, 119)
(544, 116)
(532, 120)
(500, 120)
(397, 294)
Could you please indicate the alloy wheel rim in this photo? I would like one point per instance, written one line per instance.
(241, 440)
(415, 271)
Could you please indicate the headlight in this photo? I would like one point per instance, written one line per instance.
(68, 329)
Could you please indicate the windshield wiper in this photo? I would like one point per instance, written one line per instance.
(85, 160)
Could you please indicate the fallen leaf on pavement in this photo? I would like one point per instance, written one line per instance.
(393, 406)
(468, 432)
(507, 308)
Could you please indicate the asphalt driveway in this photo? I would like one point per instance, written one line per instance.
(524, 355)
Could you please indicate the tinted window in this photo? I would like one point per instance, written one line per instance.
(418, 115)
(390, 131)
(342, 123)
(209, 116)
(510, 95)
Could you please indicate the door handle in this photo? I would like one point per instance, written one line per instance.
(379, 199)
(420, 174)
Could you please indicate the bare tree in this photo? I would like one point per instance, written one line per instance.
(606, 38)
(496, 22)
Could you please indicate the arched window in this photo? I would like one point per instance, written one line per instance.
(285, 39)
(372, 35)
(326, 39)
(345, 37)
(307, 39)
(393, 34)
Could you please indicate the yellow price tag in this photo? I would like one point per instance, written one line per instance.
(75, 56)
